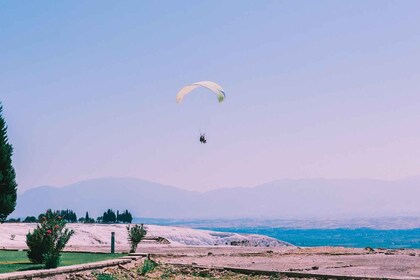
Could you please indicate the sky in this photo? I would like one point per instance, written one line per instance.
(314, 89)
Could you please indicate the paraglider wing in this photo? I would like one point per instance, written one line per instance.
(217, 89)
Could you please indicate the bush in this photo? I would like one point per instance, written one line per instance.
(48, 240)
(135, 235)
(167, 273)
(37, 246)
(104, 276)
(147, 267)
(52, 260)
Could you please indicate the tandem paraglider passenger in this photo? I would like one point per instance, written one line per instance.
(203, 138)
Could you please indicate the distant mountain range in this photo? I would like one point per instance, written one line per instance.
(283, 199)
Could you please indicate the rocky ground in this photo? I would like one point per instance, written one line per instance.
(165, 271)
(213, 262)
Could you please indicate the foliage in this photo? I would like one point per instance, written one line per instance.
(88, 220)
(109, 216)
(167, 273)
(12, 220)
(30, 219)
(8, 186)
(48, 240)
(104, 276)
(52, 259)
(68, 215)
(202, 274)
(148, 266)
(135, 236)
(37, 246)
(125, 217)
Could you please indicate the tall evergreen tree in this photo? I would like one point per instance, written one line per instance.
(88, 219)
(8, 186)
(67, 215)
(109, 216)
(125, 217)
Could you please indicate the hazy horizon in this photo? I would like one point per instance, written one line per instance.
(322, 89)
(309, 198)
(226, 187)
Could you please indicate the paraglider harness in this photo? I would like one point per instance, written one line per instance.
(203, 138)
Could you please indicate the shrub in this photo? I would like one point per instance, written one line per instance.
(48, 240)
(135, 235)
(104, 276)
(147, 267)
(37, 246)
(167, 273)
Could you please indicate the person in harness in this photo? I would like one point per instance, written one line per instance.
(203, 138)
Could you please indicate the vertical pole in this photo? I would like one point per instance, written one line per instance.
(112, 242)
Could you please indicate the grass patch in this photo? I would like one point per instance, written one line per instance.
(104, 276)
(147, 267)
(18, 261)
(202, 274)
(167, 273)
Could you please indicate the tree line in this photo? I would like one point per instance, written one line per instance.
(108, 217)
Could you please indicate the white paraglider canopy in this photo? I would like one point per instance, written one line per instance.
(217, 89)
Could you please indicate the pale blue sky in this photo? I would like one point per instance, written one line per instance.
(314, 89)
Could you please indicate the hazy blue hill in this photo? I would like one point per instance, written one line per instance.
(35, 201)
(141, 197)
(309, 198)
(321, 198)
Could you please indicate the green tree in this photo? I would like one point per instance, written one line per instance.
(68, 215)
(8, 186)
(13, 220)
(30, 219)
(135, 236)
(109, 216)
(88, 219)
(125, 217)
(48, 239)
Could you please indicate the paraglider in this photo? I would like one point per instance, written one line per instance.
(212, 86)
(217, 89)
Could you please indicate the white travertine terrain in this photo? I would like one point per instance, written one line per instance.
(13, 235)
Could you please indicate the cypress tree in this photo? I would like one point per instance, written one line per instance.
(8, 186)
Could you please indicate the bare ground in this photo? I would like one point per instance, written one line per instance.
(187, 262)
